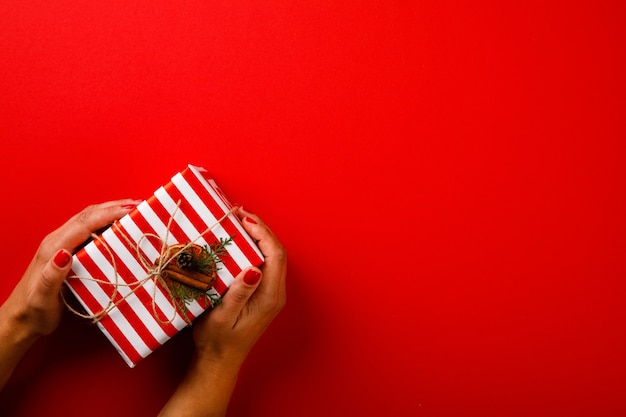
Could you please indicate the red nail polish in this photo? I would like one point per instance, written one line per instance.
(61, 259)
(251, 277)
(250, 220)
(129, 206)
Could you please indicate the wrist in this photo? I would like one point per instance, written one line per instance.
(220, 365)
(15, 343)
(15, 327)
(207, 387)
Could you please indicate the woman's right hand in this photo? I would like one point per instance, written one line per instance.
(225, 335)
(254, 299)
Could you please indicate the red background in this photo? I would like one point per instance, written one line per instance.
(448, 179)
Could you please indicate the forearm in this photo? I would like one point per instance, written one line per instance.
(15, 340)
(205, 390)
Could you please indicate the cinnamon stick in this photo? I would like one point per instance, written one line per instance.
(191, 278)
(195, 279)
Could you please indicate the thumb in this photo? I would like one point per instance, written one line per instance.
(54, 273)
(240, 292)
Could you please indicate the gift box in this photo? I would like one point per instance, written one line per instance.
(126, 278)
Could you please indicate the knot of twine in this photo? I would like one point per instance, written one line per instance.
(154, 270)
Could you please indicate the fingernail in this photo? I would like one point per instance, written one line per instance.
(61, 259)
(251, 277)
(129, 206)
(250, 220)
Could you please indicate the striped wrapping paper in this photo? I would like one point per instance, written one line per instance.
(132, 326)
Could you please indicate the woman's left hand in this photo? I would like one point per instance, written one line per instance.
(34, 308)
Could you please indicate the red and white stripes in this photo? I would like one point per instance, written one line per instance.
(132, 326)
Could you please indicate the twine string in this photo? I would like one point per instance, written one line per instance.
(154, 269)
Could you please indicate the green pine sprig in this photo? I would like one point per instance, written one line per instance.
(207, 262)
(183, 295)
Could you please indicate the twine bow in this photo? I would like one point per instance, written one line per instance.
(155, 270)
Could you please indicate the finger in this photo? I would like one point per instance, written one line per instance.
(259, 231)
(235, 299)
(275, 266)
(80, 227)
(54, 273)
